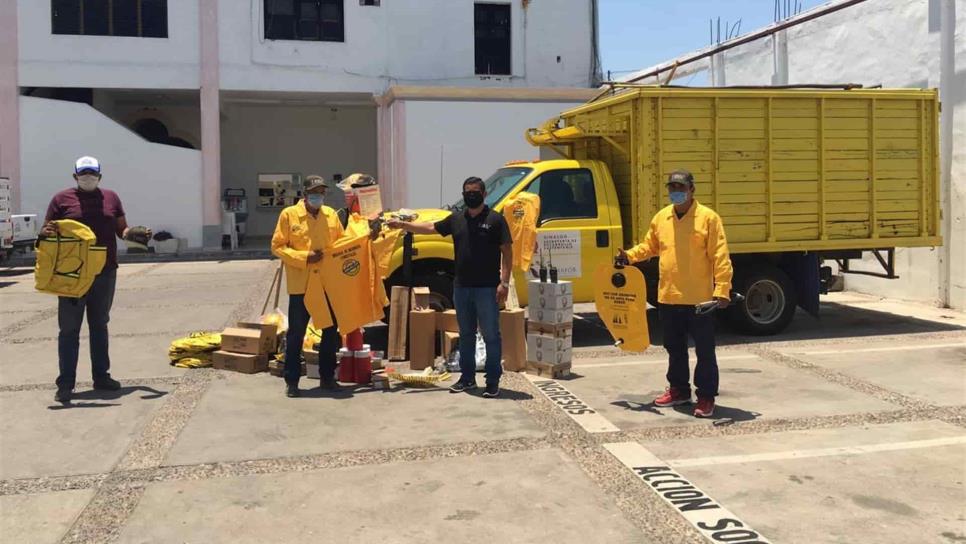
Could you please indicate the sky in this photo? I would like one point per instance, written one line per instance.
(636, 34)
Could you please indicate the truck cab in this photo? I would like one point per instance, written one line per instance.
(579, 226)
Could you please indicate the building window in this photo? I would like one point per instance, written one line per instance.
(492, 30)
(313, 20)
(137, 18)
(369, 3)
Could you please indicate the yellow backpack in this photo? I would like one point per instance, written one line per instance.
(68, 262)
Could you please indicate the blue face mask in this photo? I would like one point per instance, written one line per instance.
(678, 197)
(315, 200)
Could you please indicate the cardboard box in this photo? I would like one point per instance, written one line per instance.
(277, 368)
(419, 298)
(536, 289)
(513, 334)
(246, 363)
(398, 323)
(380, 380)
(446, 321)
(311, 356)
(549, 349)
(422, 339)
(552, 317)
(240, 340)
(548, 370)
(552, 302)
(448, 342)
(560, 330)
(269, 333)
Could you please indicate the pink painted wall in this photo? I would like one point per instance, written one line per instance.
(9, 100)
(210, 115)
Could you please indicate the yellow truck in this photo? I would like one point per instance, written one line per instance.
(799, 176)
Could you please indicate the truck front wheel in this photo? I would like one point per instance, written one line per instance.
(769, 304)
(440, 285)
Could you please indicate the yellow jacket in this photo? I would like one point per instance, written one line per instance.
(693, 252)
(296, 234)
(67, 263)
(521, 213)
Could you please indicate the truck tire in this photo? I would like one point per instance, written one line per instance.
(770, 301)
(440, 290)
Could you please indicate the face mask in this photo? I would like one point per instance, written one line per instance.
(473, 199)
(315, 200)
(88, 182)
(678, 197)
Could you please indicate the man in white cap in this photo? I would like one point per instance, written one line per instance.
(101, 210)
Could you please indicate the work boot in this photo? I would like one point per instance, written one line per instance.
(492, 391)
(292, 390)
(63, 394)
(462, 387)
(705, 407)
(673, 396)
(329, 384)
(107, 383)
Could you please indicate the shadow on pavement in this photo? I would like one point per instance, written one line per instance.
(835, 321)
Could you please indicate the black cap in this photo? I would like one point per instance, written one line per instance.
(680, 176)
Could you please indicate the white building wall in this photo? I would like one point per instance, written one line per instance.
(449, 141)
(49, 60)
(159, 185)
(893, 43)
(409, 42)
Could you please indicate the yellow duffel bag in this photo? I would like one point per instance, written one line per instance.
(68, 262)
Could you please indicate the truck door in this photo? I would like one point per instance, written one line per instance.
(573, 231)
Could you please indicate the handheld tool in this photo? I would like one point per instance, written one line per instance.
(712, 305)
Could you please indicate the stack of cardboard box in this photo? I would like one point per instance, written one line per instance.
(550, 329)
(246, 347)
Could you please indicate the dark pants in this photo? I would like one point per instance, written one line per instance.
(678, 323)
(476, 307)
(298, 322)
(70, 316)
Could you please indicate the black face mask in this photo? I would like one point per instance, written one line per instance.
(473, 199)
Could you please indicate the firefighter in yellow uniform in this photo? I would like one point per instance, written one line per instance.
(303, 234)
(695, 267)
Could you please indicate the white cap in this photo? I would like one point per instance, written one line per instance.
(87, 163)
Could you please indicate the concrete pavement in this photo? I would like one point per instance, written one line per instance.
(845, 429)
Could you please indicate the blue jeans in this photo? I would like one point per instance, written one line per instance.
(298, 322)
(679, 322)
(70, 316)
(476, 307)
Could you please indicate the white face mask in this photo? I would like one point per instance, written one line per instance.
(88, 182)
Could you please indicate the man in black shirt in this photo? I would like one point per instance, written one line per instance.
(481, 238)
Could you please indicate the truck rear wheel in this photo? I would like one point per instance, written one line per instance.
(769, 304)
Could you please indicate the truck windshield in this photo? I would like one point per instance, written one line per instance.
(498, 185)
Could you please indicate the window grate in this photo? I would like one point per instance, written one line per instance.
(491, 23)
(131, 18)
(310, 20)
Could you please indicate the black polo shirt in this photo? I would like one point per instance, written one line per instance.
(476, 243)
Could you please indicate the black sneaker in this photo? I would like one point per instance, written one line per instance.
(329, 384)
(63, 394)
(462, 387)
(492, 391)
(292, 391)
(107, 384)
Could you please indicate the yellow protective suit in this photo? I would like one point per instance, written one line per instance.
(347, 272)
(68, 263)
(521, 213)
(296, 234)
(694, 261)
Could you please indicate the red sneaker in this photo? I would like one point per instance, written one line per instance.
(673, 397)
(705, 407)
